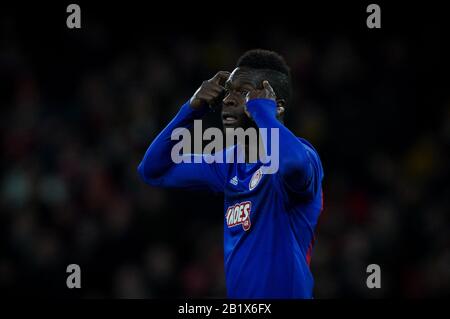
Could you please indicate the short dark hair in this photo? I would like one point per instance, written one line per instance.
(273, 65)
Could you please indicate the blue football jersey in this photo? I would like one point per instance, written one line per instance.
(269, 219)
(268, 233)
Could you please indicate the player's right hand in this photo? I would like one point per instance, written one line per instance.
(210, 92)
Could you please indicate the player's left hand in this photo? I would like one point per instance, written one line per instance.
(266, 92)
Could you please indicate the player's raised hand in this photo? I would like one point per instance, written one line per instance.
(266, 92)
(210, 92)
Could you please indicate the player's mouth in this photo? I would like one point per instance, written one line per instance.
(229, 119)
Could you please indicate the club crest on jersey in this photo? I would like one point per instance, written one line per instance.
(255, 179)
(239, 214)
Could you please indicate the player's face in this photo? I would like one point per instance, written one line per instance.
(240, 82)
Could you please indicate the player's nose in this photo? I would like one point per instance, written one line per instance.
(229, 101)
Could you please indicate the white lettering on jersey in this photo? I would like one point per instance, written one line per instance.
(239, 214)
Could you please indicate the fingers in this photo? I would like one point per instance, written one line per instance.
(220, 77)
(268, 87)
(217, 89)
(208, 96)
(210, 92)
(270, 93)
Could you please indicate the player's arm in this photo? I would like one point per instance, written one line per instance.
(299, 167)
(157, 167)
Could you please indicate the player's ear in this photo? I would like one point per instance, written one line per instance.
(281, 104)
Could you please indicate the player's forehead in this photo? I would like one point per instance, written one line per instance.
(241, 77)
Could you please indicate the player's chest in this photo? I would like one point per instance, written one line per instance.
(247, 198)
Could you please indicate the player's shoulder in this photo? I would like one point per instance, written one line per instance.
(309, 146)
(312, 152)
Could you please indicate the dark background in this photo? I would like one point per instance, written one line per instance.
(79, 108)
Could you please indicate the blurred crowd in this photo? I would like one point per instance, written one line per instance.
(74, 128)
